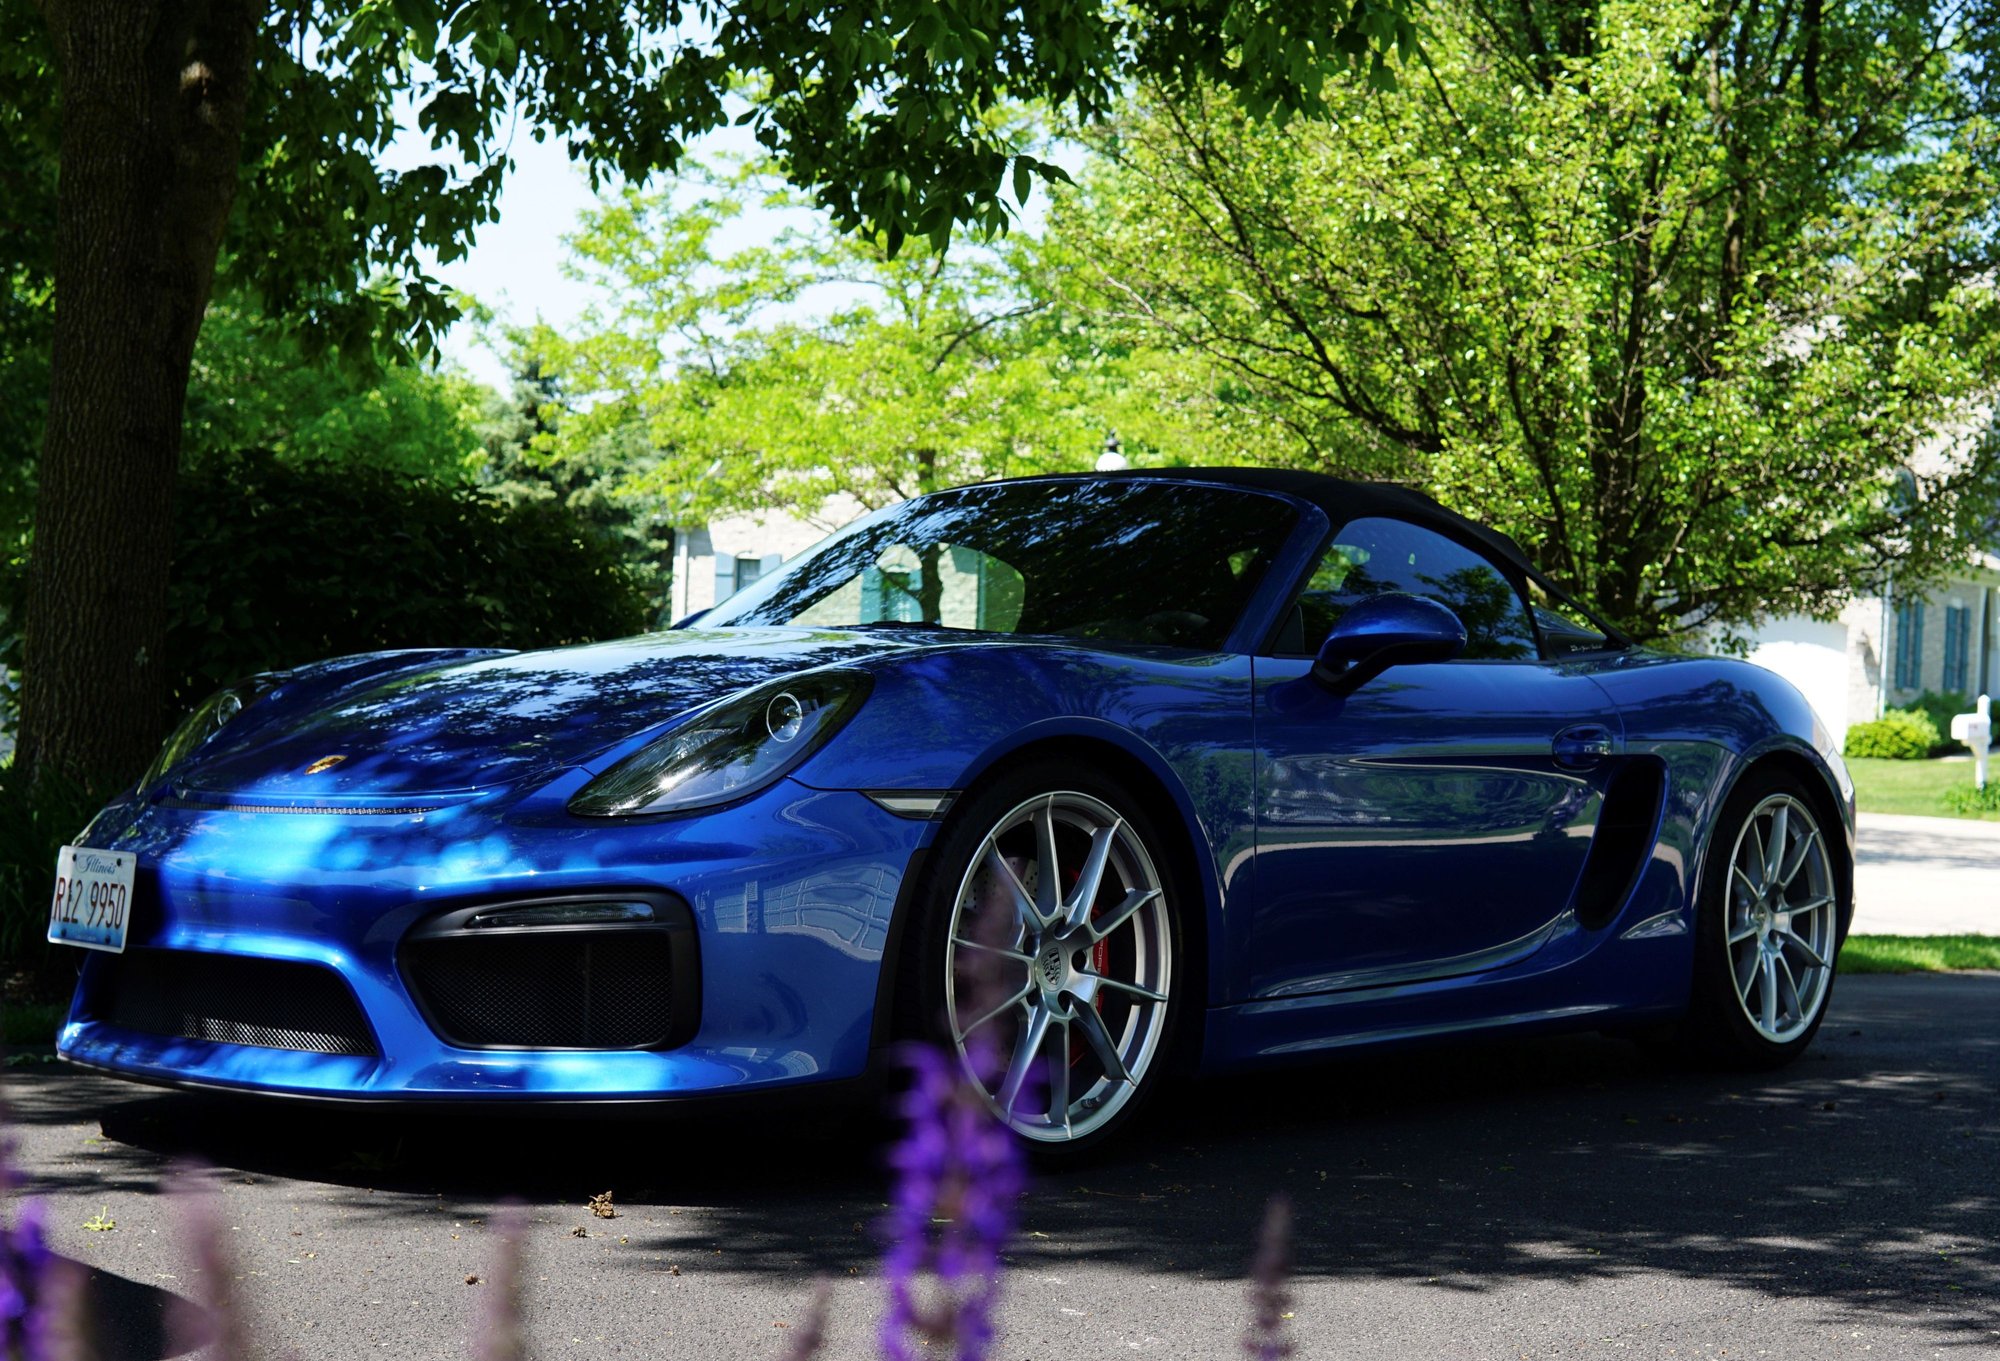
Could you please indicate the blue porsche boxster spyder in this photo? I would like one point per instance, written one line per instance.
(1106, 776)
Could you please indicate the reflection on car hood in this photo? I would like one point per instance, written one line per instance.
(499, 720)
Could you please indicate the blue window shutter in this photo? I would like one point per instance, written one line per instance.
(1917, 645)
(1950, 645)
(1909, 645)
(1957, 634)
(1963, 684)
(1901, 650)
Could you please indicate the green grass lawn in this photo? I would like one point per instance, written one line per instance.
(1919, 954)
(1914, 786)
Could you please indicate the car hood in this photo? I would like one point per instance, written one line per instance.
(497, 721)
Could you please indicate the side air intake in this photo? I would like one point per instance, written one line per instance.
(1627, 825)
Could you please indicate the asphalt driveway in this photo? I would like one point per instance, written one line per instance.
(1554, 1198)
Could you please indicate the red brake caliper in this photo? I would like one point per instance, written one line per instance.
(1100, 960)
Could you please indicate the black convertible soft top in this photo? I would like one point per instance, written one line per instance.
(1343, 500)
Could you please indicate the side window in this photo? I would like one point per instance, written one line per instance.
(1373, 555)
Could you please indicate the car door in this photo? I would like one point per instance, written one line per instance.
(1436, 820)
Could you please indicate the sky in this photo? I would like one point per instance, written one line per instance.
(515, 264)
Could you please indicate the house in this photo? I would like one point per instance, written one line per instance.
(714, 561)
(1885, 650)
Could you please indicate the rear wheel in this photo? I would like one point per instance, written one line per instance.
(1770, 928)
(1050, 954)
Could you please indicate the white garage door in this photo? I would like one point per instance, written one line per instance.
(1813, 656)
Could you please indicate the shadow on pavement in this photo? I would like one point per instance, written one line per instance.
(127, 1319)
(1866, 1176)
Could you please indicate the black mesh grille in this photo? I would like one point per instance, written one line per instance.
(547, 990)
(232, 999)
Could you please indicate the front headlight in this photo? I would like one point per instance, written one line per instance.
(210, 717)
(730, 751)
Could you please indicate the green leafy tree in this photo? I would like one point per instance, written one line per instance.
(818, 366)
(1671, 290)
(914, 376)
(253, 385)
(183, 126)
(524, 463)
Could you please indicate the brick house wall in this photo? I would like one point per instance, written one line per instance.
(712, 560)
(1972, 599)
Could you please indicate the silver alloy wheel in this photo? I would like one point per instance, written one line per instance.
(1059, 965)
(1782, 920)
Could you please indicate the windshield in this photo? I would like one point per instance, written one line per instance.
(1119, 560)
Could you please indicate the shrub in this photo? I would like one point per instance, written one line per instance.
(1969, 798)
(1899, 735)
(278, 562)
(1941, 709)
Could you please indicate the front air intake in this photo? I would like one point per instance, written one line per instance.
(230, 999)
(612, 985)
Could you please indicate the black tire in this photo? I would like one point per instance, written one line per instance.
(1725, 1026)
(927, 983)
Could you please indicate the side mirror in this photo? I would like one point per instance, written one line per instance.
(1391, 629)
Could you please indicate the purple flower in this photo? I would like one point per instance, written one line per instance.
(24, 1266)
(1269, 1276)
(811, 1334)
(219, 1326)
(958, 1176)
(34, 1282)
(501, 1337)
(58, 1328)
(43, 1313)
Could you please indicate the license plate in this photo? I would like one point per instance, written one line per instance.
(93, 902)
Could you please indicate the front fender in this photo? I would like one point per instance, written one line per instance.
(942, 720)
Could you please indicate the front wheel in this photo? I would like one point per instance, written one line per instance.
(1769, 930)
(1050, 960)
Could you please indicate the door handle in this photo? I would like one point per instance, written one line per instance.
(1582, 747)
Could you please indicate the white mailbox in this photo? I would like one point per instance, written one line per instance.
(1976, 731)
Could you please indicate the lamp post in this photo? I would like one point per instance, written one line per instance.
(1112, 460)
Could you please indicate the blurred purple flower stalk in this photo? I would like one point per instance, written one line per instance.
(32, 1284)
(958, 1178)
(217, 1324)
(502, 1336)
(24, 1271)
(1270, 1292)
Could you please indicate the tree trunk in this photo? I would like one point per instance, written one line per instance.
(153, 97)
